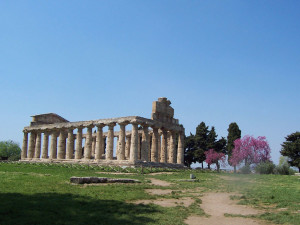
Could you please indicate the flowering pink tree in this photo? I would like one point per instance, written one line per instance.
(251, 150)
(215, 157)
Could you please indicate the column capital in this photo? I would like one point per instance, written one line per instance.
(144, 125)
(90, 126)
(70, 129)
(111, 125)
(123, 123)
(100, 125)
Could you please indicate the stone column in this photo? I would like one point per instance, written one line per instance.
(24, 146)
(88, 143)
(61, 145)
(159, 147)
(93, 147)
(139, 146)
(70, 144)
(31, 146)
(145, 144)
(105, 144)
(149, 147)
(99, 149)
(45, 145)
(164, 147)
(154, 150)
(172, 156)
(53, 145)
(127, 147)
(117, 147)
(134, 143)
(121, 143)
(180, 151)
(78, 151)
(110, 142)
(37, 152)
(169, 145)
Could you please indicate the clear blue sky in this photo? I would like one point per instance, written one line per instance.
(217, 61)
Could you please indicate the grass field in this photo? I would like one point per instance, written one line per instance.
(42, 194)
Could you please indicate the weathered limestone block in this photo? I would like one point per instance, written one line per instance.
(90, 180)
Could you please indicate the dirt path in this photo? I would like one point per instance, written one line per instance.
(186, 202)
(160, 182)
(216, 205)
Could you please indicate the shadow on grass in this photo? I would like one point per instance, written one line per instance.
(53, 208)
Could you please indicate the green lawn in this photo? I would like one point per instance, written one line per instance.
(42, 194)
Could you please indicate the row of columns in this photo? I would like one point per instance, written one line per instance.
(130, 147)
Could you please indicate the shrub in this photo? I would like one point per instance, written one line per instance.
(245, 169)
(284, 170)
(265, 168)
(10, 150)
(284, 167)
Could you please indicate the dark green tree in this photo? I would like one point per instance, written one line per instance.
(201, 142)
(221, 145)
(234, 133)
(291, 149)
(10, 150)
(211, 138)
(189, 148)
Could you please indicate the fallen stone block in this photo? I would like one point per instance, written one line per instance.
(95, 180)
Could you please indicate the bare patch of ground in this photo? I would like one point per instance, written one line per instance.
(216, 205)
(186, 202)
(197, 220)
(159, 191)
(159, 173)
(160, 182)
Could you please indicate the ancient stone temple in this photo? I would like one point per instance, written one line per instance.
(151, 142)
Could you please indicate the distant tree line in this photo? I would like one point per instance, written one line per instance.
(204, 146)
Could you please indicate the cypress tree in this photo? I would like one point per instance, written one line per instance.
(234, 133)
